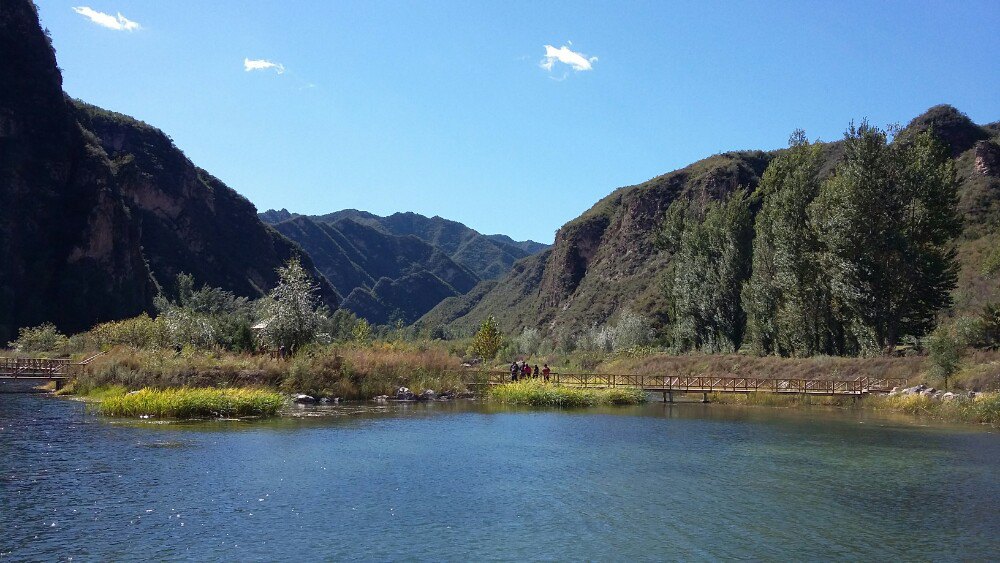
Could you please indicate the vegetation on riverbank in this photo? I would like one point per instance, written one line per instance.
(540, 394)
(983, 408)
(186, 403)
(347, 371)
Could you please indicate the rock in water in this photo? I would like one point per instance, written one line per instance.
(304, 399)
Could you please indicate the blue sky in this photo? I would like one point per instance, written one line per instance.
(453, 109)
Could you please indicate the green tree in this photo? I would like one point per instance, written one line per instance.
(885, 221)
(488, 339)
(708, 269)
(787, 300)
(291, 311)
(205, 317)
(991, 263)
(42, 338)
(362, 331)
(945, 352)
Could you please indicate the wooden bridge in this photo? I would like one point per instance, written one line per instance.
(670, 384)
(57, 370)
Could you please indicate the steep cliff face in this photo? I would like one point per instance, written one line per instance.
(191, 221)
(97, 208)
(69, 250)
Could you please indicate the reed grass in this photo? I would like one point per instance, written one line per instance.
(767, 399)
(983, 409)
(188, 402)
(540, 394)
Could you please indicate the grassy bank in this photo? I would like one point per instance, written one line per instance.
(187, 402)
(765, 399)
(539, 394)
(348, 371)
(984, 408)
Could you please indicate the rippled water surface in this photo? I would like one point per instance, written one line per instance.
(464, 482)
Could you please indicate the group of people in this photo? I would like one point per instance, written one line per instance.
(521, 370)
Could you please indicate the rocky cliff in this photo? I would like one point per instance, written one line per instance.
(97, 209)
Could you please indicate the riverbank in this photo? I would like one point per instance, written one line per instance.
(980, 408)
(335, 371)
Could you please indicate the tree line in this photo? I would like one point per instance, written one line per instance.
(848, 263)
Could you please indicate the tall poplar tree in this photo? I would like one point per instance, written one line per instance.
(710, 264)
(787, 300)
(885, 221)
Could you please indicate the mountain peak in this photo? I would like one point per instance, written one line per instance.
(950, 125)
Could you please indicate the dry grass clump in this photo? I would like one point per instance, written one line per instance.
(364, 371)
(767, 399)
(166, 368)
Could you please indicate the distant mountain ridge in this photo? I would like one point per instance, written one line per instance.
(489, 256)
(383, 277)
(400, 266)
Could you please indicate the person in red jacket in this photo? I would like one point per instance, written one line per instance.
(526, 370)
(545, 372)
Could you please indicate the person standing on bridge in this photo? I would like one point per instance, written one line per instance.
(514, 371)
(526, 370)
(545, 372)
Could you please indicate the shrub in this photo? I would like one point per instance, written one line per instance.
(42, 338)
(137, 332)
(488, 340)
(945, 352)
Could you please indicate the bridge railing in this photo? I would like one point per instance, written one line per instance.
(703, 383)
(15, 367)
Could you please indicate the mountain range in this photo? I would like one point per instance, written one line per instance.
(100, 212)
(400, 266)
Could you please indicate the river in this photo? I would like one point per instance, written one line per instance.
(463, 481)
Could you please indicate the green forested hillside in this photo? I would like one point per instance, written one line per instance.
(617, 255)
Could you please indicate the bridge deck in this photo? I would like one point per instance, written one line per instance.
(713, 384)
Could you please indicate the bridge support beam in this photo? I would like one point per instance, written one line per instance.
(668, 396)
(704, 397)
(59, 383)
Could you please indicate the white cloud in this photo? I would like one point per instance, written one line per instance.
(262, 64)
(567, 56)
(119, 22)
